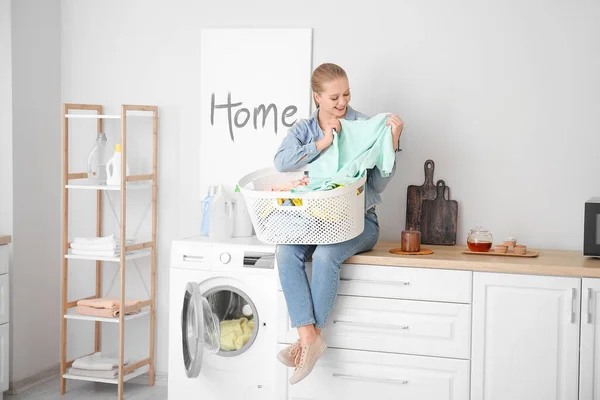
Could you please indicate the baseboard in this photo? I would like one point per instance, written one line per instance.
(160, 379)
(35, 380)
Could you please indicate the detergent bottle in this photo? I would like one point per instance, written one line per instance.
(96, 164)
(206, 203)
(113, 167)
(242, 224)
(221, 216)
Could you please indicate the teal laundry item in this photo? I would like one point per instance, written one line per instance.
(361, 145)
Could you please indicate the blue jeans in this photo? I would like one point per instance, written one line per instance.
(312, 304)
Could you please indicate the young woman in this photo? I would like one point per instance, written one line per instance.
(309, 306)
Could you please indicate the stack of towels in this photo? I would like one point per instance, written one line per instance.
(104, 246)
(107, 307)
(96, 366)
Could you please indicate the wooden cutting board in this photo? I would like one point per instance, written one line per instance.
(439, 219)
(415, 196)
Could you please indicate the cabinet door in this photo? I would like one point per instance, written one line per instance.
(4, 299)
(589, 378)
(525, 337)
(3, 259)
(4, 332)
(360, 375)
(394, 326)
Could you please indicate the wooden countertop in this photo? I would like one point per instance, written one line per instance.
(4, 239)
(549, 262)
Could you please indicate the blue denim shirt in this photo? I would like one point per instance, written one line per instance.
(299, 148)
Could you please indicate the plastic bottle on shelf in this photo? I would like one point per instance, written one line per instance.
(206, 203)
(113, 167)
(242, 224)
(96, 163)
(221, 216)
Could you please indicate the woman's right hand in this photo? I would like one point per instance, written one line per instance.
(328, 128)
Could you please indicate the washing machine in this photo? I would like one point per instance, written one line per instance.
(222, 321)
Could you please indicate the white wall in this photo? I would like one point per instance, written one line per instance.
(6, 190)
(501, 95)
(35, 313)
(6, 167)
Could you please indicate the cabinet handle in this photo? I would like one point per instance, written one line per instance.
(367, 378)
(573, 296)
(403, 283)
(589, 304)
(187, 258)
(403, 327)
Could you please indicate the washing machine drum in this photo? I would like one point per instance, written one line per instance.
(200, 329)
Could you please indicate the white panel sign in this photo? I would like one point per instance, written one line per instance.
(255, 83)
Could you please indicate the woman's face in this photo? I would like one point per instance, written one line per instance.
(334, 98)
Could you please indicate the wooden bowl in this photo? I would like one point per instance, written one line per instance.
(520, 249)
(500, 248)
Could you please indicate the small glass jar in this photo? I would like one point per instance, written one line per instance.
(480, 240)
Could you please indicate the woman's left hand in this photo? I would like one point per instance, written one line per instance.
(397, 125)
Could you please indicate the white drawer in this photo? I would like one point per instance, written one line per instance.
(3, 259)
(4, 336)
(191, 256)
(359, 375)
(406, 283)
(389, 325)
(4, 297)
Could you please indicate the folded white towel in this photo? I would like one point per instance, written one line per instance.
(98, 253)
(95, 246)
(102, 239)
(79, 242)
(97, 362)
(113, 373)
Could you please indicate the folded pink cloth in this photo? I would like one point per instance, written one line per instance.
(106, 302)
(287, 188)
(106, 312)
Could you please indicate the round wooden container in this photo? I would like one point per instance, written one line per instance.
(410, 241)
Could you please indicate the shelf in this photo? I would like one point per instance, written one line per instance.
(71, 315)
(99, 117)
(134, 255)
(130, 186)
(114, 381)
(110, 116)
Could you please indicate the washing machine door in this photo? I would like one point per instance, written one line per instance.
(199, 329)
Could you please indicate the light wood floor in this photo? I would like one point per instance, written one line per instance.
(80, 390)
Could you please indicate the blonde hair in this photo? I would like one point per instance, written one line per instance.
(325, 73)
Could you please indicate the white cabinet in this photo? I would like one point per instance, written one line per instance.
(4, 297)
(589, 370)
(4, 332)
(3, 259)
(4, 319)
(525, 342)
(360, 375)
(394, 333)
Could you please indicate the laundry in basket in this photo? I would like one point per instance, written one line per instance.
(330, 208)
(317, 217)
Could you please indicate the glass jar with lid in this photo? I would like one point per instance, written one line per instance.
(479, 240)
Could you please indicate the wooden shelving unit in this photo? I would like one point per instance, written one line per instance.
(72, 181)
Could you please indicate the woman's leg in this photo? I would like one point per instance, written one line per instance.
(326, 263)
(291, 261)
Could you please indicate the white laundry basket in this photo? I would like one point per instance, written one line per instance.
(325, 217)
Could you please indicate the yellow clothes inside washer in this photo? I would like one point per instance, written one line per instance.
(235, 333)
